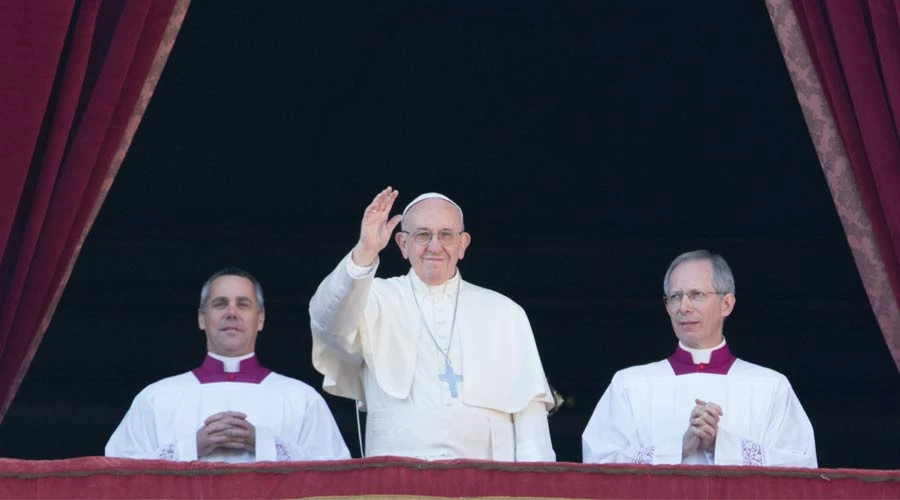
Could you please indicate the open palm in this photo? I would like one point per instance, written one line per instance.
(377, 227)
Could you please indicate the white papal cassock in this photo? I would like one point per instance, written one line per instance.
(377, 342)
(291, 419)
(643, 415)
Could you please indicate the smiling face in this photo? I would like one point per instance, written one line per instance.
(231, 316)
(698, 324)
(434, 263)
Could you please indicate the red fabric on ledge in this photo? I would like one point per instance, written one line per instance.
(97, 477)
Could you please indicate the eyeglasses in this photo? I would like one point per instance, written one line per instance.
(696, 296)
(445, 238)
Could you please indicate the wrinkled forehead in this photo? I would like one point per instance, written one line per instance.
(436, 211)
(692, 274)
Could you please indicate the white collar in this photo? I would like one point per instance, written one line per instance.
(701, 355)
(232, 364)
(447, 288)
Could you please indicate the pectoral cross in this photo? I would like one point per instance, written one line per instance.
(451, 378)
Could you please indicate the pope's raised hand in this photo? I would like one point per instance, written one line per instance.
(376, 228)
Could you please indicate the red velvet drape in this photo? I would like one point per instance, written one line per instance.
(844, 58)
(76, 77)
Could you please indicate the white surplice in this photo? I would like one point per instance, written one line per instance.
(645, 411)
(374, 344)
(291, 419)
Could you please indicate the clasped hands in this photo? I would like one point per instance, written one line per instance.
(703, 428)
(228, 429)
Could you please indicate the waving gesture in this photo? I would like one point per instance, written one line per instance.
(376, 229)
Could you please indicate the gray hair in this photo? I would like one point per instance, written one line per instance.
(232, 271)
(723, 279)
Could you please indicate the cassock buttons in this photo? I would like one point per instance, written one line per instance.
(231, 376)
(701, 366)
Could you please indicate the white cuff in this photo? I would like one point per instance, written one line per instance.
(358, 272)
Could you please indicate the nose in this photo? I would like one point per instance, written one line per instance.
(434, 244)
(685, 304)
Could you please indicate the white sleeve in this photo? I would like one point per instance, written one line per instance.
(337, 307)
(533, 434)
(266, 449)
(318, 439)
(788, 439)
(185, 448)
(135, 437)
(358, 272)
(611, 435)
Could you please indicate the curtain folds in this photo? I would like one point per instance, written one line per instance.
(844, 60)
(79, 75)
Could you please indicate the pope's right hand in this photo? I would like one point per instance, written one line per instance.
(376, 229)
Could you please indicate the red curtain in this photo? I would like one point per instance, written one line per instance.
(844, 60)
(76, 78)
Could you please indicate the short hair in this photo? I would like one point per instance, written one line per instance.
(723, 279)
(231, 271)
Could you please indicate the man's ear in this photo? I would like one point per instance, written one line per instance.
(201, 320)
(400, 238)
(261, 321)
(465, 239)
(728, 304)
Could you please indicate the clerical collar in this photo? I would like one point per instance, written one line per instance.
(246, 369)
(686, 360)
(231, 363)
(447, 288)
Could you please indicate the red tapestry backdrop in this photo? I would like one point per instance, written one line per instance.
(844, 59)
(77, 76)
